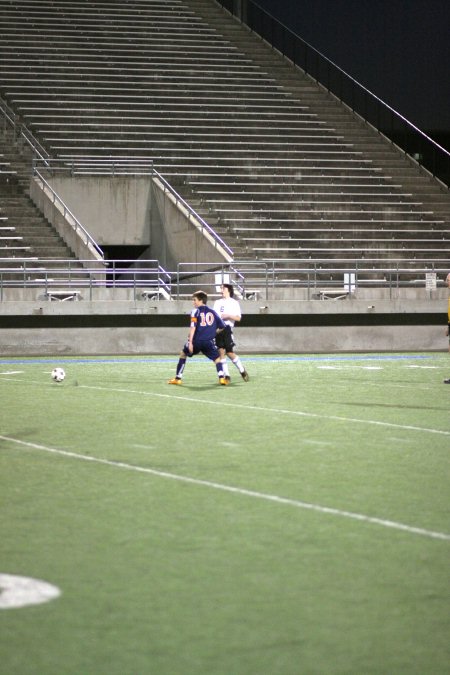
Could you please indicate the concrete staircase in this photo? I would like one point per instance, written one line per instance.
(278, 166)
(25, 235)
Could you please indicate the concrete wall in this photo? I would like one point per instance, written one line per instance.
(163, 340)
(148, 327)
(135, 211)
(177, 237)
(75, 237)
(115, 210)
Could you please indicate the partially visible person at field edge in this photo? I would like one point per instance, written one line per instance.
(229, 310)
(447, 332)
(204, 326)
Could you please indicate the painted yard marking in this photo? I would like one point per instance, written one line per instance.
(18, 591)
(278, 411)
(238, 491)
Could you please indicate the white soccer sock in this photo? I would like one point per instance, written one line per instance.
(225, 367)
(238, 363)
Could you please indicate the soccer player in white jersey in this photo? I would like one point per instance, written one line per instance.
(229, 311)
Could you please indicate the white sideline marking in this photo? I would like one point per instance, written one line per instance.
(423, 367)
(281, 411)
(239, 491)
(13, 372)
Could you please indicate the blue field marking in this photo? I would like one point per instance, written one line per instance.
(248, 358)
(348, 357)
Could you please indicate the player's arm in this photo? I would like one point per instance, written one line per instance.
(219, 322)
(231, 317)
(192, 330)
(235, 308)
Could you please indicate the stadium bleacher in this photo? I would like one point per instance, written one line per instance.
(264, 154)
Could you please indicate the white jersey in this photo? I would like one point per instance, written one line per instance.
(227, 306)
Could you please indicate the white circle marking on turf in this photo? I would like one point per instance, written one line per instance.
(16, 591)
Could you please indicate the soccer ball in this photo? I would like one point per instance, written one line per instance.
(58, 374)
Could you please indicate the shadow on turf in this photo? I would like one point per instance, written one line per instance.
(200, 387)
(391, 405)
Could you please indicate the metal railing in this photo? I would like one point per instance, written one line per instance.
(400, 131)
(201, 224)
(98, 166)
(48, 275)
(21, 134)
(256, 280)
(252, 280)
(69, 217)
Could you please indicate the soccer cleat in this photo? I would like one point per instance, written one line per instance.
(175, 380)
(447, 381)
(223, 380)
(245, 376)
(227, 378)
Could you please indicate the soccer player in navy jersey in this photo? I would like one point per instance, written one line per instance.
(205, 323)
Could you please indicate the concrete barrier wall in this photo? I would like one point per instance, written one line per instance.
(176, 237)
(161, 327)
(130, 211)
(75, 238)
(169, 340)
(115, 210)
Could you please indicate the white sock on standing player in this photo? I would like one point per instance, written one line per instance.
(225, 367)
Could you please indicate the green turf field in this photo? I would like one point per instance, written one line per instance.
(297, 524)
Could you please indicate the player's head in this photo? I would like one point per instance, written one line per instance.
(200, 296)
(229, 288)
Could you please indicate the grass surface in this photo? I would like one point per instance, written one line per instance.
(295, 524)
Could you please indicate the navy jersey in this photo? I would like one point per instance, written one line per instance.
(206, 322)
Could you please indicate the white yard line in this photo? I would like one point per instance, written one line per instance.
(237, 491)
(279, 411)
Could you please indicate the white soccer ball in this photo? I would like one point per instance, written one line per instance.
(58, 374)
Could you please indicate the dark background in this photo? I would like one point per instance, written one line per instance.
(398, 49)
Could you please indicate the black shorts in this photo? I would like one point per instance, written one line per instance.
(224, 339)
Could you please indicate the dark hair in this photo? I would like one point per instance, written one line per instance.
(230, 289)
(200, 295)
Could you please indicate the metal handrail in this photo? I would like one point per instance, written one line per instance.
(70, 275)
(215, 239)
(98, 166)
(20, 131)
(72, 220)
(249, 278)
(398, 129)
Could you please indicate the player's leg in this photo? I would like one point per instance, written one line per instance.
(235, 359)
(219, 367)
(221, 346)
(180, 366)
(209, 349)
(223, 361)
